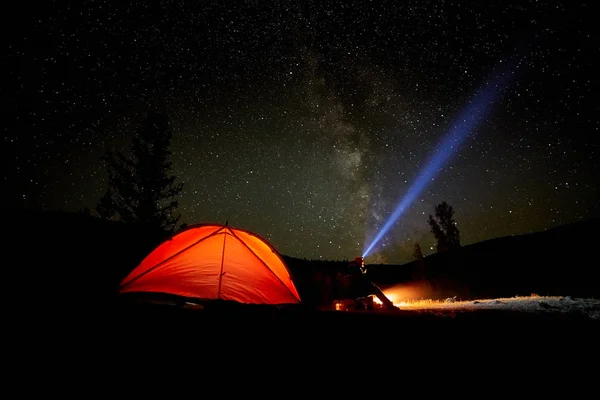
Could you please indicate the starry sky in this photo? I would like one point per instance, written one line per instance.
(307, 121)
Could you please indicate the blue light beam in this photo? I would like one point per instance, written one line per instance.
(469, 119)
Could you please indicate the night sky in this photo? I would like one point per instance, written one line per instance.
(306, 122)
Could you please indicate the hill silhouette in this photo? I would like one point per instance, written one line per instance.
(62, 256)
(558, 261)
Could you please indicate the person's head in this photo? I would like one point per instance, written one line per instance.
(359, 261)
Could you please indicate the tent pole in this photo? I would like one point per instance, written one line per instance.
(169, 258)
(222, 260)
(265, 264)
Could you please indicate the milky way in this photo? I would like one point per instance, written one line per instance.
(305, 122)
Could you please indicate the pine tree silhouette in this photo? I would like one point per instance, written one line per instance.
(444, 227)
(141, 187)
(417, 253)
(419, 272)
(105, 207)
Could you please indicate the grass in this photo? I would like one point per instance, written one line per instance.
(533, 304)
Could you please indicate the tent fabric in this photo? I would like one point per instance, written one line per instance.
(215, 262)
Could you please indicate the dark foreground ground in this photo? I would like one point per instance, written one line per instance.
(369, 336)
(242, 349)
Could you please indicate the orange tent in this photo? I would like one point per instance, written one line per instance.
(215, 262)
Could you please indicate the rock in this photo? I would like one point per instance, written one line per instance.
(450, 300)
(546, 305)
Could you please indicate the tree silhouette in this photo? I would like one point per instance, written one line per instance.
(419, 272)
(105, 207)
(417, 253)
(444, 227)
(141, 187)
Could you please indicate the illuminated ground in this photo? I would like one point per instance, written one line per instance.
(534, 304)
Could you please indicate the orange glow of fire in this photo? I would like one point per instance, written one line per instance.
(406, 295)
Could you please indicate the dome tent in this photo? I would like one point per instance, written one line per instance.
(211, 262)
